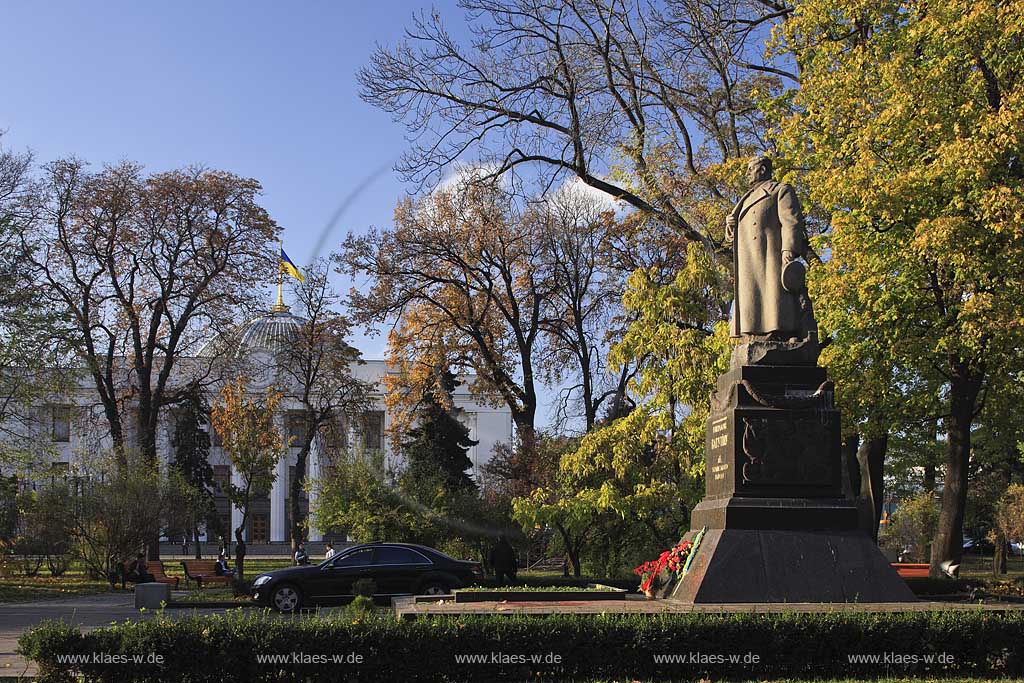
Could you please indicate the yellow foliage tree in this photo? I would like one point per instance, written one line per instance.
(254, 445)
(909, 126)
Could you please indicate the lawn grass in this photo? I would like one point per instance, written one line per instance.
(19, 588)
(16, 587)
(213, 595)
(980, 567)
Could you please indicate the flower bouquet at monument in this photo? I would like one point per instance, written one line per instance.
(666, 569)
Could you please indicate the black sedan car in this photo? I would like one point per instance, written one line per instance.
(395, 568)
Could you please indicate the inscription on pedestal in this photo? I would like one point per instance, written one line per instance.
(758, 452)
(719, 452)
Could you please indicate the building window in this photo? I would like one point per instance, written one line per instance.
(221, 478)
(260, 528)
(296, 425)
(225, 526)
(61, 423)
(336, 433)
(373, 430)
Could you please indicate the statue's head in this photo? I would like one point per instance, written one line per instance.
(758, 169)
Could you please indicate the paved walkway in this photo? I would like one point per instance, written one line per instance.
(88, 611)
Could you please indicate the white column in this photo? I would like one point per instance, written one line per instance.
(236, 512)
(314, 482)
(278, 496)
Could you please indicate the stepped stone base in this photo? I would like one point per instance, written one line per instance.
(788, 565)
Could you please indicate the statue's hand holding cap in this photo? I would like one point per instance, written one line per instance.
(794, 277)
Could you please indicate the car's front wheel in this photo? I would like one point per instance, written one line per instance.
(435, 588)
(286, 598)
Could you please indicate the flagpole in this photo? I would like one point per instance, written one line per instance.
(279, 307)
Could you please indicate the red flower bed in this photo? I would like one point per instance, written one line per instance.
(673, 560)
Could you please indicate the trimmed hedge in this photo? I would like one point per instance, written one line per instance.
(600, 647)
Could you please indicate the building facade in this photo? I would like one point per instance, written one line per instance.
(73, 429)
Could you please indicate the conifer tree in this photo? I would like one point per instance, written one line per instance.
(436, 449)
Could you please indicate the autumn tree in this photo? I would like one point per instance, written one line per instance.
(1008, 521)
(461, 276)
(582, 245)
(253, 444)
(569, 88)
(144, 269)
(644, 466)
(317, 369)
(906, 123)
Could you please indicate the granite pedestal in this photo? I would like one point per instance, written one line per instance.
(776, 527)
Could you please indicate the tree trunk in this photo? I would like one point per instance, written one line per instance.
(999, 556)
(928, 481)
(240, 548)
(198, 543)
(871, 456)
(999, 553)
(298, 526)
(574, 560)
(948, 546)
(571, 549)
(851, 468)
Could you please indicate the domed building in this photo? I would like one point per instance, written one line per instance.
(254, 348)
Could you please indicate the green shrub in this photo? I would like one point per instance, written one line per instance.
(912, 527)
(229, 648)
(361, 606)
(364, 587)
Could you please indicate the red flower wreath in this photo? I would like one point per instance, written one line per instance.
(673, 560)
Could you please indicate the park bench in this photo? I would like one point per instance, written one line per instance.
(909, 570)
(156, 568)
(204, 572)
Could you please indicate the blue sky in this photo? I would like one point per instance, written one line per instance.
(263, 89)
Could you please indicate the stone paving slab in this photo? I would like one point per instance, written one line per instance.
(89, 612)
(408, 608)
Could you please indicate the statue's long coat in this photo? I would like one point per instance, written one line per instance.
(769, 221)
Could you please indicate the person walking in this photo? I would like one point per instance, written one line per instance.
(331, 552)
(503, 561)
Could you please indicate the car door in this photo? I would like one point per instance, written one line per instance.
(399, 570)
(336, 577)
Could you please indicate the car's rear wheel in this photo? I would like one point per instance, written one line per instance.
(435, 588)
(286, 599)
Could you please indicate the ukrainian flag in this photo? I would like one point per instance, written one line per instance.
(288, 268)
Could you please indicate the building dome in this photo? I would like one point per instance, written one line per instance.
(272, 332)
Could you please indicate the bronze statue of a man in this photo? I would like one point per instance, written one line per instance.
(766, 229)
